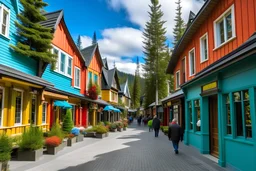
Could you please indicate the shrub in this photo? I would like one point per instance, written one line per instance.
(5, 148)
(119, 124)
(90, 130)
(101, 130)
(56, 131)
(113, 126)
(32, 139)
(101, 123)
(68, 123)
(107, 127)
(15, 140)
(107, 123)
(53, 141)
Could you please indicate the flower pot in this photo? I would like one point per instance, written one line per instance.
(4, 166)
(79, 138)
(120, 129)
(30, 155)
(71, 141)
(124, 128)
(100, 135)
(54, 150)
(90, 134)
(113, 130)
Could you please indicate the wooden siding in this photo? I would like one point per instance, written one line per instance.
(105, 95)
(7, 56)
(245, 26)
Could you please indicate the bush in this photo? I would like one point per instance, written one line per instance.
(5, 148)
(56, 131)
(32, 139)
(90, 130)
(101, 130)
(113, 126)
(119, 124)
(101, 123)
(53, 141)
(68, 123)
(107, 123)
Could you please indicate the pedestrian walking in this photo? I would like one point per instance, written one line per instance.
(139, 120)
(156, 125)
(175, 134)
(150, 125)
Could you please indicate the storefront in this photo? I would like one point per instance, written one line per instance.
(221, 111)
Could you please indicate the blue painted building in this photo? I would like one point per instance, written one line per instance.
(214, 64)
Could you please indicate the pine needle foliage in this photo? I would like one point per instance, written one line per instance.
(68, 123)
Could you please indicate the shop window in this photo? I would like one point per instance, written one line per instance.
(228, 115)
(44, 114)
(1, 106)
(190, 115)
(18, 107)
(33, 109)
(197, 112)
(176, 112)
(247, 114)
(4, 20)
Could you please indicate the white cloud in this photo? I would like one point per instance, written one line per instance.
(137, 11)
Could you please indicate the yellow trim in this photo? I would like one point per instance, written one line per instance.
(210, 86)
(55, 95)
(21, 82)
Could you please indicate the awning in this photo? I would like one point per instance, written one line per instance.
(109, 108)
(62, 104)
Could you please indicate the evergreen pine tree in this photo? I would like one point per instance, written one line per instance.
(68, 123)
(94, 38)
(155, 55)
(136, 87)
(180, 26)
(79, 43)
(34, 39)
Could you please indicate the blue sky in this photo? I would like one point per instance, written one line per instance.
(118, 24)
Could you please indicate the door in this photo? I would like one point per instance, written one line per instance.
(213, 110)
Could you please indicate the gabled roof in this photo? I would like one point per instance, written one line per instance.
(105, 63)
(125, 89)
(107, 79)
(53, 19)
(199, 19)
(89, 52)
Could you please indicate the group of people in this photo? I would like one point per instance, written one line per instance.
(175, 132)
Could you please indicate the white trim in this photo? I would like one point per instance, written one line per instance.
(76, 68)
(21, 107)
(177, 86)
(2, 8)
(231, 10)
(69, 57)
(193, 49)
(46, 112)
(205, 36)
(2, 111)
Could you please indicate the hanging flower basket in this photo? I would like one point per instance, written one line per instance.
(93, 94)
(94, 106)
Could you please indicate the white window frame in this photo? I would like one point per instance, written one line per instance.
(190, 74)
(66, 62)
(2, 8)
(21, 107)
(76, 68)
(202, 51)
(46, 108)
(177, 85)
(231, 10)
(2, 111)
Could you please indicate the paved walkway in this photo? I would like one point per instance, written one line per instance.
(133, 150)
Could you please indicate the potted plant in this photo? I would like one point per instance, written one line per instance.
(113, 127)
(53, 145)
(90, 132)
(77, 132)
(5, 151)
(31, 145)
(100, 131)
(56, 131)
(71, 139)
(125, 125)
(120, 126)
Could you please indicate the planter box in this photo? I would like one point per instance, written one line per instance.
(30, 155)
(100, 135)
(63, 144)
(113, 130)
(90, 134)
(71, 141)
(54, 150)
(106, 135)
(80, 138)
(120, 129)
(4, 166)
(125, 128)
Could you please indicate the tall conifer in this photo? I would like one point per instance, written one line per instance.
(94, 38)
(34, 39)
(180, 26)
(136, 87)
(79, 43)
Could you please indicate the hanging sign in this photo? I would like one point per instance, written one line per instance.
(210, 86)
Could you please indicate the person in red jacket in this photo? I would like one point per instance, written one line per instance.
(175, 134)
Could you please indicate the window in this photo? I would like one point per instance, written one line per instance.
(95, 79)
(89, 76)
(18, 107)
(77, 77)
(56, 52)
(190, 115)
(228, 118)
(1, 106)
(192, 62)
(198, 118)
(224, 27)
(44, 114)
(242, 113)
(69, 66)
(176, 112)
(4, 20)
(62, 63)
(204, 47)
(33, 109)
(177, 80)
(113, 96)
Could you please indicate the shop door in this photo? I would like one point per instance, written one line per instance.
(213, 110)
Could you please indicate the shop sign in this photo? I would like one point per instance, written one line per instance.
(169, 104)
(210, 86)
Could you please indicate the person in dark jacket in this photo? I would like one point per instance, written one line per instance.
(175, 135)
(156, 125)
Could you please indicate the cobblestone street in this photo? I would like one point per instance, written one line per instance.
(133, 150)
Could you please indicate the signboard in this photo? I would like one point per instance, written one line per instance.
(210, 86)
(169, 104)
